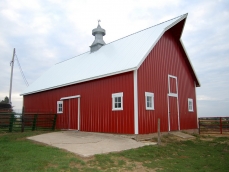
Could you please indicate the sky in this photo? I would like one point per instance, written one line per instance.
(45, 32)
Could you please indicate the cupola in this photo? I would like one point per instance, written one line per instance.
(98, 42)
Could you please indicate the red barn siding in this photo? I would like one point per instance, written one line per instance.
(166, 58)
(95, 104)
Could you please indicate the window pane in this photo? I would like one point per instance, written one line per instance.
(150, 104)
(190, 105)
(119, 99)
(117, 105)
(149, 101)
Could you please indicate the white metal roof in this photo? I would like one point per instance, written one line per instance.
(125, 54)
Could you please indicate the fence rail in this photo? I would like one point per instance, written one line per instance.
(214, 125)
(27, 121)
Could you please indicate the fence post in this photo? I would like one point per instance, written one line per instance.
(11, 122)
(221, 125)
(34, 122)
(54, 122)
(158, 132)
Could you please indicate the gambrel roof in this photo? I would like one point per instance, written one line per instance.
(123, 55)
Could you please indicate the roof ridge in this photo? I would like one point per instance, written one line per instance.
(145, 29)
(125, 37)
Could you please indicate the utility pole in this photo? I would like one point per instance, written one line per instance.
(11, 77)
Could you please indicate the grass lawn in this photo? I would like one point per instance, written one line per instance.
(205, 153)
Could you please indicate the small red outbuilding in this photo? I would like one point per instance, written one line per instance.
(123, 86)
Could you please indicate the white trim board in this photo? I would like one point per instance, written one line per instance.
(135, 102)
(70, 97)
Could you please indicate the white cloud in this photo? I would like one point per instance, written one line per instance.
(46, 32)
(203, 97)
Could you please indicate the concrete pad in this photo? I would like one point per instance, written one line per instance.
(182, 135)
(87, 143)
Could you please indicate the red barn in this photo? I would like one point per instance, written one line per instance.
(123, 86)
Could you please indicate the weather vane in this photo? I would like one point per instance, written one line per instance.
(99, 21)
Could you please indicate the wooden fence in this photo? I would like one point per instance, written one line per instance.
(27, 121)
(214, 125)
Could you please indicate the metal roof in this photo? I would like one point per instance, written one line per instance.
(123, 55)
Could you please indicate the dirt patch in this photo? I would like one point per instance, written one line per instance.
(183, 157)
(21, 139)
(2, 134)
(206, 139)
(75, 165)
(136, 167)
(85, 159)
(140, 167)
(215, 135)
(51, 165)
(166, 139)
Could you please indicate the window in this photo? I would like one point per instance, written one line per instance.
(117, 101)
(59, 106)
(149, 101)
(190, 105)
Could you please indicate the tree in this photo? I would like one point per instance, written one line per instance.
(5, 106)
(6, 100)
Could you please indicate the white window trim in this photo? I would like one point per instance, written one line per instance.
(170, 93)
(148, 94)
(58, 103)
(113, 101)
(190, 100)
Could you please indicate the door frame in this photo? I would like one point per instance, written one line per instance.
(173, 95)
(69, 98)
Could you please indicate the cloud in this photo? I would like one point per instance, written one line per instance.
(203, 97)
(47, 32)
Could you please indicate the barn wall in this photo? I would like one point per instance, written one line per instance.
(95, 104)
(166, 58)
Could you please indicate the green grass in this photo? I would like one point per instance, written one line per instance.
(205, 153)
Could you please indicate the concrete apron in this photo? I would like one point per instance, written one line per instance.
(87, 143)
